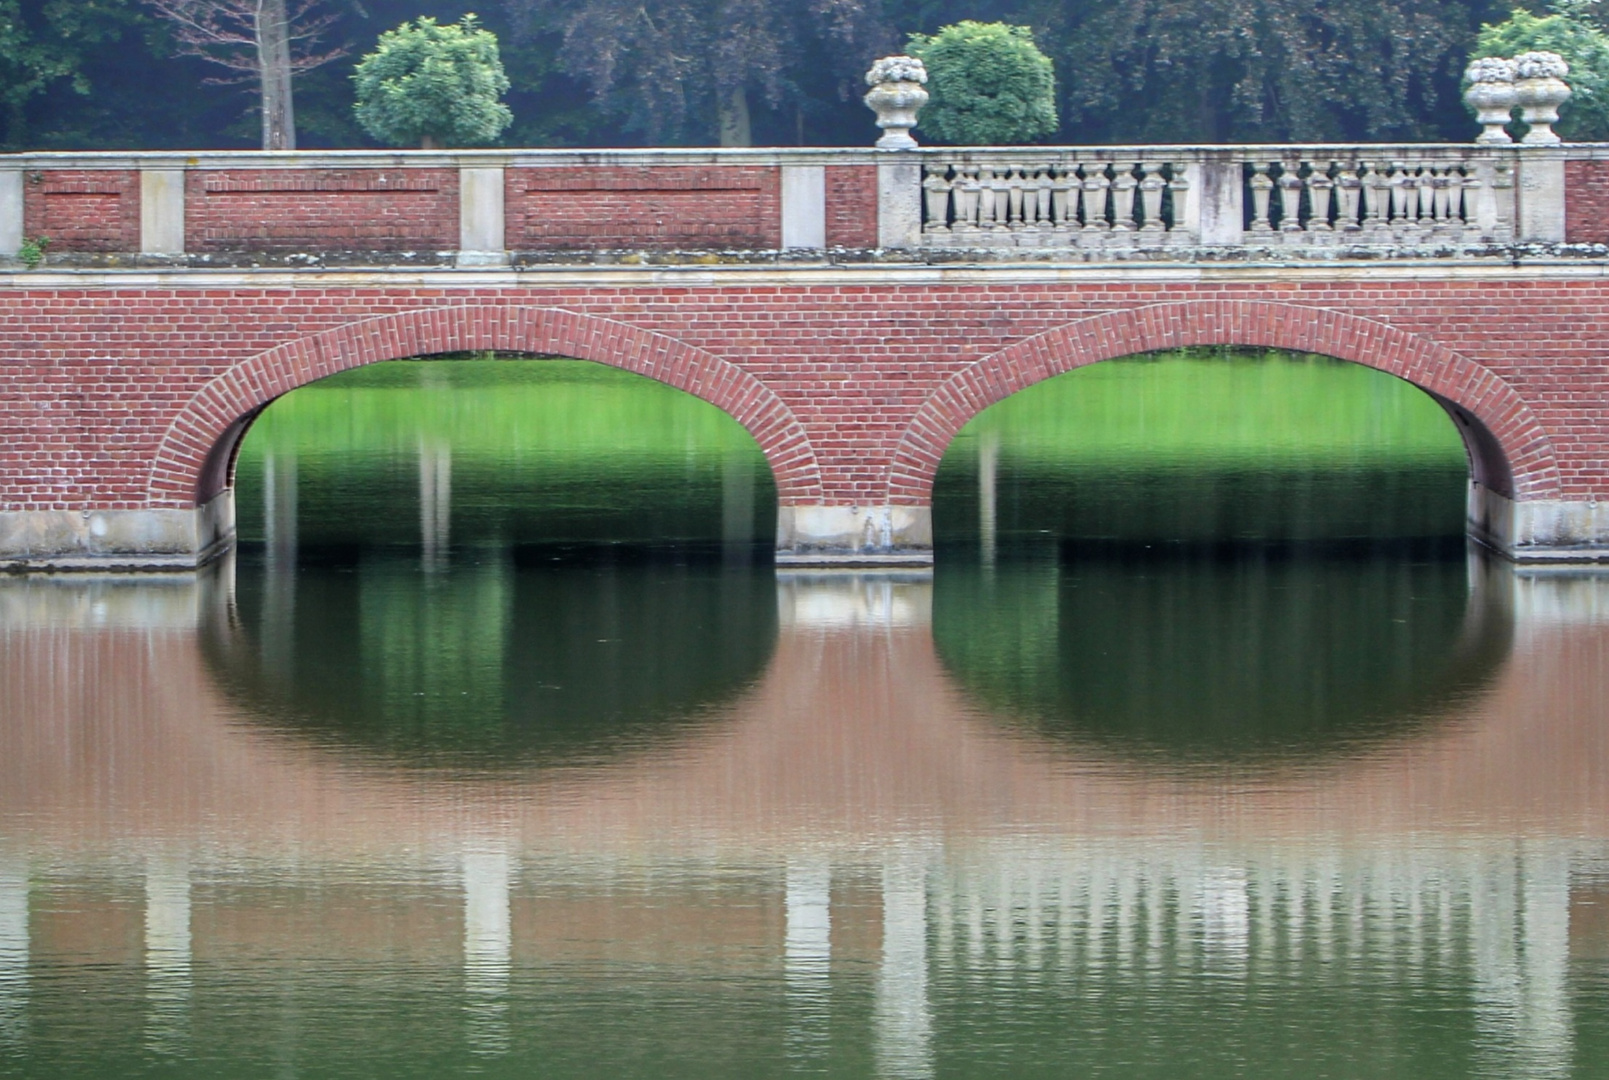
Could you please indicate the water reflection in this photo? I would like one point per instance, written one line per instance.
(1202, 657)
(425, 784)
(509, 660)
(850, 868)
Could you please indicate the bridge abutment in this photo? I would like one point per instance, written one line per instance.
(117, 540)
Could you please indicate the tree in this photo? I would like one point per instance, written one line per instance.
(44, 42)
(262, 41)
(433, 85)
(1182, 71)
(672, 66)
(1567, 31)
(989, 82)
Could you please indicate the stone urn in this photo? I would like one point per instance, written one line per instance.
(1492, 95)
(896, 97)
(1540, 89)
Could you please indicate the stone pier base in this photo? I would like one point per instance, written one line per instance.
(1541, 531)
(854, 536)
(1534, 532)
(116, 540)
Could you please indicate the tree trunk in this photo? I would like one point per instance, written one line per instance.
(735, 128)
(274, 66)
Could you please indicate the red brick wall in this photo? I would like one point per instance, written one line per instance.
(1586, 202)
(651, 207)
(281, 210)
(83, 210)
(852, 206)
(111, 397)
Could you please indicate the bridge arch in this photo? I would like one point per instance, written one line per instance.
(1509, 451)
(194, 462)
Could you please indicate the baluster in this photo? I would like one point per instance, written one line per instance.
(1427, 194)
(1290, 196)
(965, 198)
(1000, 183)
(1152, 184)
(1096, 185)
(1041, 210)
(936, 187)
(1123, 185)
(1404, 200)
(1262, 186)
(1377, 185)
(1179, 187)
(1063, 203)
(1014, 192)
(988, 206)
(1320, 194)
(1448, 195)
(1349, 190)
(1475, 197)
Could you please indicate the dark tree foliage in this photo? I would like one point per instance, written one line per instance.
(105, 73)
(680, 70)
(51, 45)
(1262, 70)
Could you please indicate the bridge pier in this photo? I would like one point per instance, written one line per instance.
(1539, 531)
(854, 536)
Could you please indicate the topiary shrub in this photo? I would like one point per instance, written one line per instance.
(989, 82)
(431, 85)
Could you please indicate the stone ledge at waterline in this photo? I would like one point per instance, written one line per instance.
(115, 540)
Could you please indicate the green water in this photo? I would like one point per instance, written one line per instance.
(501, 748)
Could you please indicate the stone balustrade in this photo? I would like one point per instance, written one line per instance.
(493, 209)
(1156, 199)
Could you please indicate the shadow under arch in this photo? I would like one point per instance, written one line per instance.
(1509, 452)
(196, 459)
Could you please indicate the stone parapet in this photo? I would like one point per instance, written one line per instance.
(489, 208)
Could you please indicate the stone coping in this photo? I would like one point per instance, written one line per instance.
(755, 156)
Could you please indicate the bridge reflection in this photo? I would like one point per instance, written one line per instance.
(853, 808)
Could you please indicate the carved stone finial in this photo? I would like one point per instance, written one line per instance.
(1540, 89)
(896, 97)
(1492, 95)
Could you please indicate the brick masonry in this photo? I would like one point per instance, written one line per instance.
(125, 398)
(644, 207)
(281, 210)
(1588, 185)
(83, 210)
(852, 206)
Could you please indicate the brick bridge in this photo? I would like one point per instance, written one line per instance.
(852, 309)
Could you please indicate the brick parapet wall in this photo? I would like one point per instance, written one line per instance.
(648, 207)
(1586, 187)
(96, 385)
(319, 210)
(91, 211)
(852, 206)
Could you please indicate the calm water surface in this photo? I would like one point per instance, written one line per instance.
(500, 748)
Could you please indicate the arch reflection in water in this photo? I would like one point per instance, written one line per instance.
(1217, 660)
(494, 663)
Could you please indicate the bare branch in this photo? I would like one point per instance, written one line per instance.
(226, 32)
